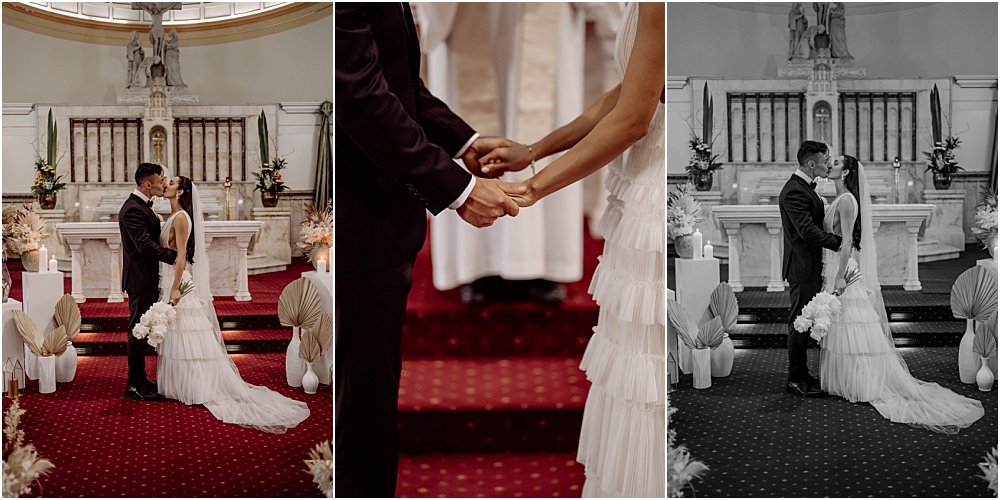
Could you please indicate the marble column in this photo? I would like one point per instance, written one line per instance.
(115, 261)
(54, 243)
(776, 284)
(733, 231)
(912, 282)
(946, 224)
(274, 236)
(242, 279)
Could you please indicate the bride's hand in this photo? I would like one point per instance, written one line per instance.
(175, 296)
(512, 157)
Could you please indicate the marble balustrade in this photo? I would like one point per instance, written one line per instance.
(756, 244)
(95, 250)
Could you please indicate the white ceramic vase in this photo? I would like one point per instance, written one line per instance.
(46, 374)
(295, 367)
(66, 364)
(722, 358)
(984, 377)
(701, 367)
(309, 381)
(968, 361)
(324, 366)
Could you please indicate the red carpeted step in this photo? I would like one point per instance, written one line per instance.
(229, 335)
(496, 475)
(491, 405)
(106, 445)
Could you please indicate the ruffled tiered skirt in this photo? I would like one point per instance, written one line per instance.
(621, 441)
(860, 364)
(194, 368)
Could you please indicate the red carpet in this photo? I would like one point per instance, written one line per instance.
(491, 398)
(106, 445)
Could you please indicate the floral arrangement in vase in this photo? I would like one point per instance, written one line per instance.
(269, 181)
(683, 212)
(985, 227)
(703, 162)
(21, 464)
(316, 231)
(47, 184)
(941, 158)
(23, 231)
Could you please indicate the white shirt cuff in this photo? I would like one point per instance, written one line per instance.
(465, 194)
(466, 146)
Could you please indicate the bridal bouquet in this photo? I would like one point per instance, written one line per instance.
(817, 315)
(153, 324)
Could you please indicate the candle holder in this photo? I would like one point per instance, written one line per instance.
(895, 184)
(229, 198)
(11, 372)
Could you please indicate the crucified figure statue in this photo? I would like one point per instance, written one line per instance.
(156, 10)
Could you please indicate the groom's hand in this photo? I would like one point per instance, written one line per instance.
(488, 202)
(480, 148)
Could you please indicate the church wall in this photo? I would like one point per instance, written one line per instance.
(43, 70)
(924, 40)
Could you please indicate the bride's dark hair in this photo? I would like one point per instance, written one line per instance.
(186, 201)
(852, 181)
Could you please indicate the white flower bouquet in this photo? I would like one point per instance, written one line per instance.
(153, 324)
(817, 315)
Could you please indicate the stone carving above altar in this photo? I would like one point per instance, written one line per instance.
(160, 71)
(824, 43)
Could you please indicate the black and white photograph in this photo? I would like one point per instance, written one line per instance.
(832, 249)
(167, 188)
(499, 249)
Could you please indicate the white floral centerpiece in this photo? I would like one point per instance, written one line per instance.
(683, 212)
(316, 231)
(23, 231)
(985, 227)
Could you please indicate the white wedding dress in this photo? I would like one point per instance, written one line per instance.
(621, 440)
(194, 368)
(859, 362)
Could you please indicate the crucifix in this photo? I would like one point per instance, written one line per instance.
(156, 10)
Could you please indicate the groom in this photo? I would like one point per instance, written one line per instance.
(141, 256)
(395, 159)
(802, 215)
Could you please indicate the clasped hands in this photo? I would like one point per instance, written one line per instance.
(488, 158)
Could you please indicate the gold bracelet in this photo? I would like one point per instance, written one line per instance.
(532, 153)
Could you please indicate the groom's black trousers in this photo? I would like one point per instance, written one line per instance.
(138, 304)
(370, 307)
(800, 295)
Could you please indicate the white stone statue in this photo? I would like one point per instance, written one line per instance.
(837, 26)
(172, 60)
(797, 25)
(135, 55)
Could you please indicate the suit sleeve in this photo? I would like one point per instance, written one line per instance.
(797, 207)
(376, 121)
(443, 127)
(135, 224)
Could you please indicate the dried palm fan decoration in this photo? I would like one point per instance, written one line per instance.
(299, 304)
(679, 321)
(68, 315)
(723, 304)
(30, 333)
(711, 333)
(56, 341)
(974, 294)
(984, 344)
(324, 332)
(708, 334)
(52, 344)
(309, 347)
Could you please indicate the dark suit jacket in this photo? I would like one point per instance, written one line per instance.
(141, 250)
(802, 226)
(395, 141)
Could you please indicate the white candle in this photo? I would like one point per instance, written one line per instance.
(696, 244)
(53, 265)
(709, 250)
(330, 260)
(321, 265)
(43, 259)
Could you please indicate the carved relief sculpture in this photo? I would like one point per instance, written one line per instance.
(135, 56)
(172, 60)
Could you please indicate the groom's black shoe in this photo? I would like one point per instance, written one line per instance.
(142, 394)
(804, 388)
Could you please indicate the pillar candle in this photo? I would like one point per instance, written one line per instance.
(53, 265)
(709, 251)
(43, 259)
(330, 260)
(696, 244)
(321, 265)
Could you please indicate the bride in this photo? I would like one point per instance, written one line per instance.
(621, 442)
(193, 366)
(858, 359)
